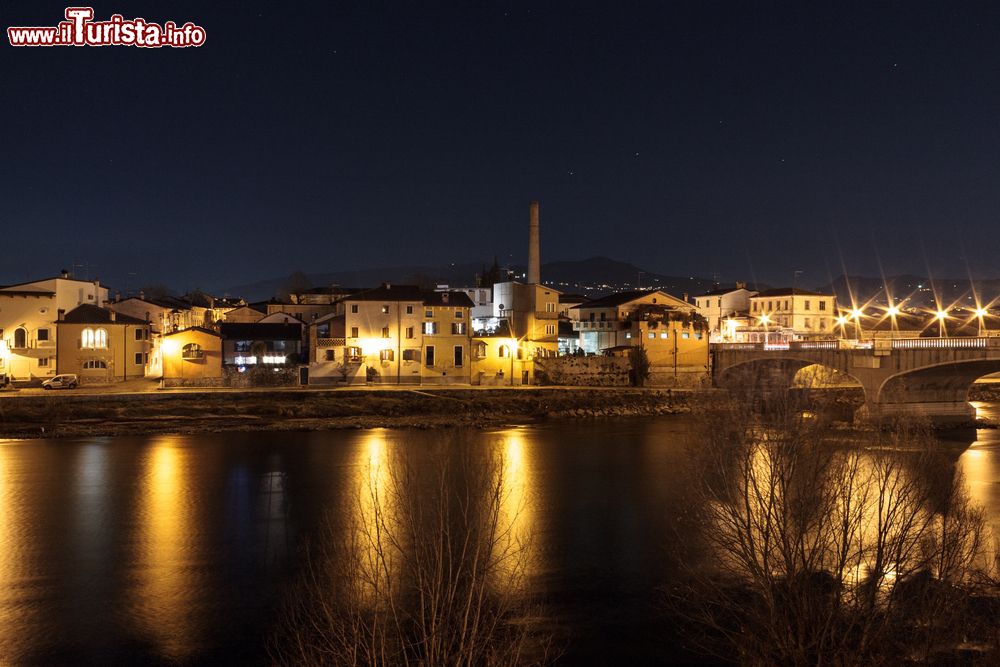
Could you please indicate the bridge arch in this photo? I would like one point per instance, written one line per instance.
(775, 371)
(944, 382)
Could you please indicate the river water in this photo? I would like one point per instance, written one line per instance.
(177, 549)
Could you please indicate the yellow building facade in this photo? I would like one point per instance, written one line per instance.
(192, 357)
(101, 346)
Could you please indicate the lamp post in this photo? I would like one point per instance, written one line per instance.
(981, 315)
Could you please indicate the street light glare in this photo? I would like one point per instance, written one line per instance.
(893, 311)
(841, 320)
(856, 313)
(941, 314)
(980, 312)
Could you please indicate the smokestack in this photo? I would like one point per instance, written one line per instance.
(534, 261)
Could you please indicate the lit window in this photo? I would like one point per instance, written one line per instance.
(430, 328)
(94, 339)
(664, 335)
(651, 335)
(458, 328)
(94, 364)
(685, 335)
(504, 351)
(353, 353)
(386, 355)
(628, 334)
(385, 309)
(385, 332)
(480, 350)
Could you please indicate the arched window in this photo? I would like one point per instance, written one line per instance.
(20, 338)
(94, 364)
(192, 351)
(94, 339)
(504, 351)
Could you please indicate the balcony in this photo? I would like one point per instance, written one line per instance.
(330, 342)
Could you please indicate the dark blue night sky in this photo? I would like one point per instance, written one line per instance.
(690, 138)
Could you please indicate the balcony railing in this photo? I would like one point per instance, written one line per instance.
(330, 342)
(960, 343)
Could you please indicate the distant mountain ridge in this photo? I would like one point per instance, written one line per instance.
(594, 276)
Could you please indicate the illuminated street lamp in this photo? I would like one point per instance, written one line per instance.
(981, 315)
(842, 321)
(856, 314)
(941, 316)
(764, 320)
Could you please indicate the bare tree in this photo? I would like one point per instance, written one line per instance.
(430, 570)
(819, 552)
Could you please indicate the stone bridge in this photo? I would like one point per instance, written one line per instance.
(930, 377)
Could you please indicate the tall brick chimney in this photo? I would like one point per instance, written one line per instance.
(534, 260)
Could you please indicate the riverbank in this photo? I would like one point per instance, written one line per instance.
(69, 415)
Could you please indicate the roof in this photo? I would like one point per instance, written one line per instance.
(90, 314)
(454, 298)
(620, 298)
(573, 298)
(42, 280)
(790, 291)
(203, 330)
(253, 307)
(390, 292)
(26, 292)
(258, 331)
(721, 291)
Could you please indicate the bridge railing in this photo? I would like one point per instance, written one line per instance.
(961, 343)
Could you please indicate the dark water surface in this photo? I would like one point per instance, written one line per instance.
(175, 549)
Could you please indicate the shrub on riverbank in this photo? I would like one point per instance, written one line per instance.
(818, 553)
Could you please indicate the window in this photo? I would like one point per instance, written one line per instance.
(354, 332)
(353, 353)
(628, 334)
(329, 355)
(480, 350)
(192, 351)
(409, 310)
(459, 356)
(520, 353)
(385, 332)
(550, 307)
(138, 358)
(43, 362)
(807, 304)
(386, 355)
(720, 303)
(503, 352)
(428, 313)
(664, 335)
(94, 364)
(808, 323)
(411, 355)
(822, 305)
(459, 315)
(409, 332)
(430, 328)
(458, 328)
(138, 334)
(685, 335)
(42, 334)
(550, 329)
(385, 309)
(651, 335)
(604, 317)
(20, 338)
(94, 339)
(354, 308)
(430, 356)
(698, 335)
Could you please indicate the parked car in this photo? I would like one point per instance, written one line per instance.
(66, 381)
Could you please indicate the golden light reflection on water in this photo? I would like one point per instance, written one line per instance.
(15, 613)
(166, 589)
(517, 513)
(376, 496)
